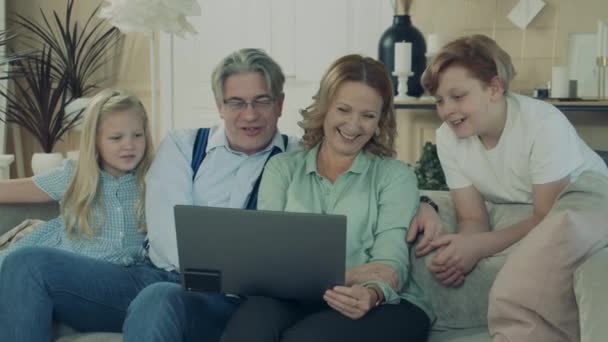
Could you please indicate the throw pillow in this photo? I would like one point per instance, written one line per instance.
(533, 298)
(21, 230)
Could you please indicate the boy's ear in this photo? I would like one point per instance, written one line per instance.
(497, 88)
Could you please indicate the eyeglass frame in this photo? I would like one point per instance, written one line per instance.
(242, 104)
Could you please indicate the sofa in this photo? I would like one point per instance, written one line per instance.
(459, 318)
(461, 313)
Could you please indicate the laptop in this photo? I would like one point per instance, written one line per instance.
(260, 253)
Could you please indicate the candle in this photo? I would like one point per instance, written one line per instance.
(403, 57)
(602, 39)
(433, 44)
(559, 82)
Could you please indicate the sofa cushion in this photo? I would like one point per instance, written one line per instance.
(461, 335)
(13, 214)
(466, 306)
(574, 229)
(591, 279)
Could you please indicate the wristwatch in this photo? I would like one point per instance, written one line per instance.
(426, 199)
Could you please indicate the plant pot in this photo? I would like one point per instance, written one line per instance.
(42, 162)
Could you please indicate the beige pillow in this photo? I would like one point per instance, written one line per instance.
(21, 230)
(467, 305)
(533, 296)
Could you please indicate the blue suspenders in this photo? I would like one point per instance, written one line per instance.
(199, 152)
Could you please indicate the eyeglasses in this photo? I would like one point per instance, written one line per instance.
(262, 104)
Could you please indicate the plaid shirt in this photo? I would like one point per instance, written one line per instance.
(117, 238)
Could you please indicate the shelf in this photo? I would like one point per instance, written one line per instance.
(571, 106)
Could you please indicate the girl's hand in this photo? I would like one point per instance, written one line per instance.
(457, 255)
(353, 302)
(427, 223)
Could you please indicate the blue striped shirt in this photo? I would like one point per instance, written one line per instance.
(117, 237)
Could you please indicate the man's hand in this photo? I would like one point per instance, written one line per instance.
(372, 271)
(456, 257)
(353, 302)
(428, 222)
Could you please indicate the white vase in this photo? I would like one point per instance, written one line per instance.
(5, 163)
(42, 162)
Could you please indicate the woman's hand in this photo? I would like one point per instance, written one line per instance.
(457, 255)
(428, 223)
(351, 301)
(372, 271)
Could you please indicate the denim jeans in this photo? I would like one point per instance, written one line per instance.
(166, 312)
(40, 285)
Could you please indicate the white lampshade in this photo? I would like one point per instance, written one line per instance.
(149, 16)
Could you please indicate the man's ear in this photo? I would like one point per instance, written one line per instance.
(219, 108)
(497, 88)
(280, 100)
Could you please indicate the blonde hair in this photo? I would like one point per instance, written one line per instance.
(83, 194)
(479, 54)
(353, 68)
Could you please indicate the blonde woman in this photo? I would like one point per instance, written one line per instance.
(100, 195)
(346, 168)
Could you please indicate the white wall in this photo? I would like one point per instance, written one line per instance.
(303, 36)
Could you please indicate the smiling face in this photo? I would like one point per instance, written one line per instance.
(352, 119)
(248, 129)
(466, 104)
(121, 142)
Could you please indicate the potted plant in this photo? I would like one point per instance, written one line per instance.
(428, 169)
(37, 104)
(59, 65)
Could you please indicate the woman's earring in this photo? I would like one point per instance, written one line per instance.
(377, 132)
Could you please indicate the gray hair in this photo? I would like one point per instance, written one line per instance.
(248, 60)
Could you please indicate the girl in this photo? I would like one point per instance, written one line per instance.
(101, 195)
(502, 147)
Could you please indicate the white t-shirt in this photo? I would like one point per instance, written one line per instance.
(538, 145)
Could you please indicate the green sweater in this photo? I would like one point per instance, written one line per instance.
(379, 197)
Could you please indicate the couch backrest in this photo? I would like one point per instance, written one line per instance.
(13, 214)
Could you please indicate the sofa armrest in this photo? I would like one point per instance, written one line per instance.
(13, 214)
(590, 284)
